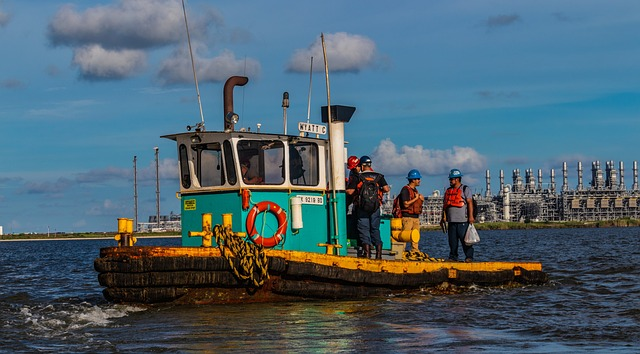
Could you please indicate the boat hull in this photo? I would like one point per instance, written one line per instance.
(202, 275)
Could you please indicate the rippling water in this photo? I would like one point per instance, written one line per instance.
(50, 301)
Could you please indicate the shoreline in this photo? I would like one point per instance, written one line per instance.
(546, 225)
(40, 238)
(478, 225)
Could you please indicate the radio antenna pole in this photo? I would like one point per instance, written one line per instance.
(193, 66)
(309, 99)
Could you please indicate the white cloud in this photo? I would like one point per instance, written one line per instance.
(48, 188)
(12, 84)
(502, 20)
(79, 223)
(109, 42)
(393, 162)
(105, 208)
(177, 69)
(4, 18)
(97, 63)
(345, 52)
(167, 169)
(103, 175)
(64, 109)
(127, 24)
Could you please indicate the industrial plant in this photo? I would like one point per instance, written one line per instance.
(530, 199)
(527, 199)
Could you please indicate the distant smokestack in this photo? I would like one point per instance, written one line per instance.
(565, 182)
(539, 180)
(635, 176)
(488, 176)
(501, 192)
(579, 176)
(506, 207)
(613, 176)
(622, 187)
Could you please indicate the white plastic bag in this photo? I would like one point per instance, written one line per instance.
(471, 237)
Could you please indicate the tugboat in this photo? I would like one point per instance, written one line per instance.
(264, 219)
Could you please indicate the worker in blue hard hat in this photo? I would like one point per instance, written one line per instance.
(457, 211)
(411, 205)
(368, 189)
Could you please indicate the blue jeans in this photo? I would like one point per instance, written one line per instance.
(369, 228)
(457, 230)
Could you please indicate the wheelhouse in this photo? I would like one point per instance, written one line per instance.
(234, 172)
(218, 161)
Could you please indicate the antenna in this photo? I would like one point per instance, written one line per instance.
(157, 189)
(309, 100)
(309, 97)
(135, 192)
(193, 68)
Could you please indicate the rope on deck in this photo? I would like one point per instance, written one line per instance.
(247, 260)
(419, 256)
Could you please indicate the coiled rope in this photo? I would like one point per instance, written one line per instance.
(419, 256)
(252, 262)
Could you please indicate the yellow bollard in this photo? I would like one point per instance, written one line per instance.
(206, 233)
(330, 247)
(403, 236)
(130, 226)
(396, 224)
(122, 225)
(406, 236)
(125, 233)
(227, 221)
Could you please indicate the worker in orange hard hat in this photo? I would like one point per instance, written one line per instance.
(353, 164)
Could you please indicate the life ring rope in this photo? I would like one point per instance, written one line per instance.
(278, 212)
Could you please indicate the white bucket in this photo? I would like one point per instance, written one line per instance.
(296, 213)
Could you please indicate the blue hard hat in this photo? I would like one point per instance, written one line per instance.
(414, 174)
(455, 173)
(365, 160)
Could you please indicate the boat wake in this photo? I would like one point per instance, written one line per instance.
(67, 321)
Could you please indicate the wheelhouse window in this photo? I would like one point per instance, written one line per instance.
(185, 174)
(303, 164)
(209, 169)
(261, 161)
(232, 177)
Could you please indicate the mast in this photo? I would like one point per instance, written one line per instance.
(193, 68)
(336, 146)
(135, 193)
(157, 190)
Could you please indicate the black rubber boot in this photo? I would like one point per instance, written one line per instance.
(367, 251)
(378, 251)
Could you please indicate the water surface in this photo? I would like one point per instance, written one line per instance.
(50, 301)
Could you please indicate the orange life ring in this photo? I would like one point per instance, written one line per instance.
(280, 215)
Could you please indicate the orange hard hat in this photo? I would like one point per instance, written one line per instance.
(352, 162)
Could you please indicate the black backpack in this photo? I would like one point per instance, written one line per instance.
(368, 194)
(473, 200)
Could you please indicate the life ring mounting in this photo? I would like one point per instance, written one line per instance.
(278, 212)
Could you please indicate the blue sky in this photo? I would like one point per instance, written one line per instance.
(87, 85)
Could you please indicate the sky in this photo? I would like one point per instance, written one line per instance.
(477, 85)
